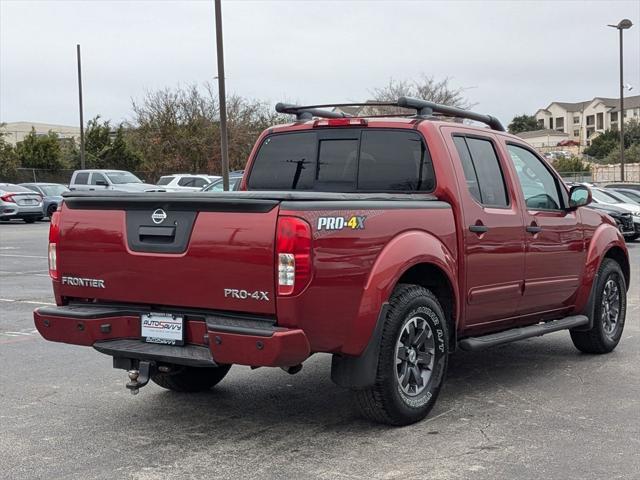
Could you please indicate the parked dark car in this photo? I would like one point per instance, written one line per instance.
(630, 186)
(623, 218)
(51, 193)
(627, 192)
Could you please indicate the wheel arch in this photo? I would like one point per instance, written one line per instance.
(411, 257)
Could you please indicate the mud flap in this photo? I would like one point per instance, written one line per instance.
(360, 372)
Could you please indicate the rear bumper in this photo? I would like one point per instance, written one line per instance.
(211, 338)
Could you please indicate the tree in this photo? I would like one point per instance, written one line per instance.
(178, 130)
(106, 148)
(570, 164)
(604, 145)
(425, 87)
(523, 123)
(631, 154)
(40, 151)
(8, 159)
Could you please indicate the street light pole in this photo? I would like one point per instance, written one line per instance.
(82, 164)
(622, 25)
(222, 101)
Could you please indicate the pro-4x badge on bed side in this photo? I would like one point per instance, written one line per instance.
(355, 222)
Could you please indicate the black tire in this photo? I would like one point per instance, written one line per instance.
(29, 220)
(387, 401)
(633, 238)
(191, 379)
(605, 334)
(51, 209)
(4, 219)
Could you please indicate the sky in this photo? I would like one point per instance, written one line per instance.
(512, 57)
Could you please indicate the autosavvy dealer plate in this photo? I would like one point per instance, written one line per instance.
(162, 328)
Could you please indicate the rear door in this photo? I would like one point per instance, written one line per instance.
(80, 181)
(555, 251)
(493, 229)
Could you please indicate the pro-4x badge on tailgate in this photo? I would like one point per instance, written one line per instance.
(355, 222)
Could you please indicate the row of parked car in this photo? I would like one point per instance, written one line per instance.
(621, 201)
(32, 202)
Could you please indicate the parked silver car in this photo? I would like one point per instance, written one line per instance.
(102, 180)
(52, 193)
(19, 202)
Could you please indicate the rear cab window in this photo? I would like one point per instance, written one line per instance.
(344, 160)
(164, 180)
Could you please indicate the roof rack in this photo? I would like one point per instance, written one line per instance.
(423, 108)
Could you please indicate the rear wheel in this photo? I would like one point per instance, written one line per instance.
(633, 238)
(412, 362)
(51, 209)
(609, 311)
(29, 220)
(191, 379)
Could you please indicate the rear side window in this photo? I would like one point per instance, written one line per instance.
(343, 161)
(393, 160)
(482, 171)
(82, 178)
(164, 180)
(98, 177)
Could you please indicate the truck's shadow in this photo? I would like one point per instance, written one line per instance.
(248, 401)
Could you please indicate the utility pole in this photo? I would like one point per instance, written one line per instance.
(82, 164)
(222, 99)
(622, 25)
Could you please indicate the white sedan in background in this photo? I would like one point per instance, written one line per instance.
(186, 182)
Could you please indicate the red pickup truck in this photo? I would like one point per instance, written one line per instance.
(388, 242)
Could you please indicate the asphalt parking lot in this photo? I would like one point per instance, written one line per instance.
(534, 409)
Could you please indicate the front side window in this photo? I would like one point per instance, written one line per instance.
(98, 177)
(538, 184)
(187, 182)
(482, 171)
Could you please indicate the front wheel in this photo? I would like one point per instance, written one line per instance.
(413, 359)
(191, 379)
(29, 220)
(609, 311)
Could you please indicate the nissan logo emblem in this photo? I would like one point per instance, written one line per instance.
(158, 216)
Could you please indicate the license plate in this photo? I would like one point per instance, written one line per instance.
(28, 201)
(162, 328)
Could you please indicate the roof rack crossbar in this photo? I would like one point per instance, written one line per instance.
(427, 109)
(423, 109)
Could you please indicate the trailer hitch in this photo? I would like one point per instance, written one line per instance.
(140, 377)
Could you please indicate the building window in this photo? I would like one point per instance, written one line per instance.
(576, 120)
(590, 132)
(551, 124)
(624, 114)
(600, 117)
(614, 117)
(541, 123)
(591, 120)
(576, 133)
(560, 124)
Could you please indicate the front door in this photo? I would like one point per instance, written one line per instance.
(493, 232)
(555, 251)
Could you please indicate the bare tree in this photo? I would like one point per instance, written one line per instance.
(426, 88)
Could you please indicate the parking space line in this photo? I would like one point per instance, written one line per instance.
(30, 302)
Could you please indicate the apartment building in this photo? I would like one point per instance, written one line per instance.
(581, 120)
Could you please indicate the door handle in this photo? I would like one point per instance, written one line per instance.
(92, 189)
(534, 229)
(478, 228)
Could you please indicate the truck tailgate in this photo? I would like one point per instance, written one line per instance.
(169, 249)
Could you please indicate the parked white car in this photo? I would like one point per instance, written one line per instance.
(102, 180)
(183, 181)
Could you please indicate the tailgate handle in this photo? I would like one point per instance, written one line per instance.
(157, 234)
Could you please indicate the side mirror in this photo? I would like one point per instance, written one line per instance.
(579, 196)
(102, 183)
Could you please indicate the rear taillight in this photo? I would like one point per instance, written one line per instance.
(54, 238)
(293, 255)
(340, 122)
(8, 198)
